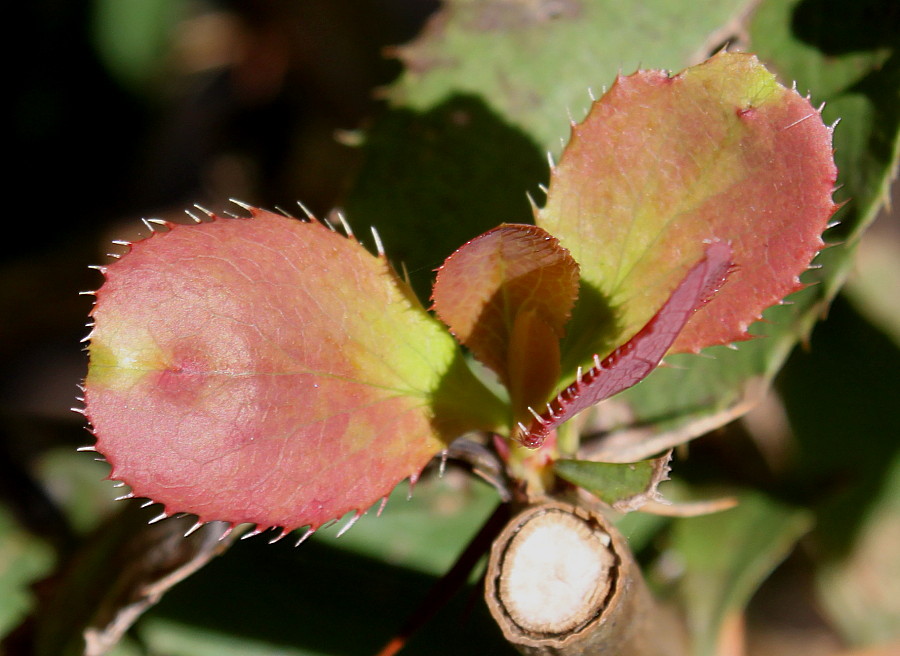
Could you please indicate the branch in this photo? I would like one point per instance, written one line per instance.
(561, 581)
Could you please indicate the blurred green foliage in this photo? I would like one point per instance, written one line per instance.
(120, 113)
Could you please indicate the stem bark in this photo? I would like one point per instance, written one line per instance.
(561, 581)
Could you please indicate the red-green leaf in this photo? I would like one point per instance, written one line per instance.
(507, 295)
(270, 371)
(663, 163)
(633, 361)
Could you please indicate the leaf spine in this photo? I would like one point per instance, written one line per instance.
(256, 531)
(537, 417)
(350, 522)
(130, 495)
(379, 246)
(345, 224)
(309, 215)
(281, 534)
(193, 528)
(242, 205)
(306, 535)
(163, 515)
(442, 466)
(798, 121)
(207, 212)
(194, 217)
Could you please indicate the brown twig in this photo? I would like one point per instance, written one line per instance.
(451, 582)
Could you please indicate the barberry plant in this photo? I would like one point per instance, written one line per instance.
(272, 371)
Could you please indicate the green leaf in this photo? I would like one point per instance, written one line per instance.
(270, 371)
(485, 95)
(860, 593)
(624, 486)
(846, 464)
(424, 530)
(432, 180)
(665, 164)
(725, 557)
(533, 61)
(507, 295)
(23, 559)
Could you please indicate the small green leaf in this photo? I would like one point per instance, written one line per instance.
(624, 486)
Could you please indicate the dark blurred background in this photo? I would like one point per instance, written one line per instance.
(123, 110)
(126, 110)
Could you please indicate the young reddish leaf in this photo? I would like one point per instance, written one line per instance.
(630, 363)
(270, 371)
(507, 295)
(662, 164)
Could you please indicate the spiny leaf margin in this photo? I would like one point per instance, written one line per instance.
(270, 371)
(663, 163)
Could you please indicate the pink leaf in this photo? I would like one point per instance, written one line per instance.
(270, 371)
(665, 162)
(507, 295)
